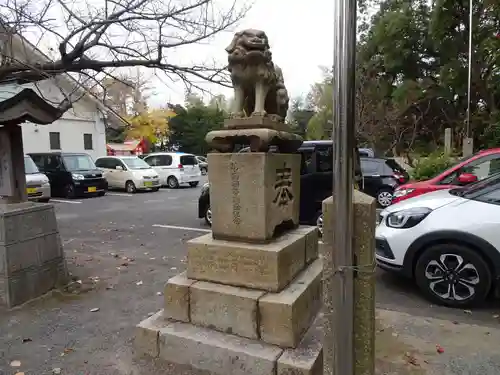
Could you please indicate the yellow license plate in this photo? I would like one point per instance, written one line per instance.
(31, 190)
(92, 189)
(148, 183)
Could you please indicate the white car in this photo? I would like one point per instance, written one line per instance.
(129, 173)
(175, 168)
(448, 241)
(37, 184)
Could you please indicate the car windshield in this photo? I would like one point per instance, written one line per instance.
(478, 188)
(136, 163)
(78, 162)
(30, 166)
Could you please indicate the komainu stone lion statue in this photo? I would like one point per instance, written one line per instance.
(259, 88)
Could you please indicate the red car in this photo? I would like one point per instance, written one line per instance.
(471, 169)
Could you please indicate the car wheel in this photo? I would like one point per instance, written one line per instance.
(319, 222)
(453, 275)
(101, 193)
(130, 187)
(156, 189)
(69, 191)
(194, 184)
(172, 182)
(208, 216)
(384, 197)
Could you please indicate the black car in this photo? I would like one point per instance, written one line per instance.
(71, 174)
(380, 177)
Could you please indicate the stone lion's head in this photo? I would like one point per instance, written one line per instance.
(249, 46)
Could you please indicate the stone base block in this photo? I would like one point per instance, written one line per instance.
(31, 254)
(220, 353)
(267, 266)
(312, 237)
(286, 316)
(254, 196)
(307, 358)
(225, 308)
(176, 297)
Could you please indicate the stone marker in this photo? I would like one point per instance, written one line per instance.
(256, 277)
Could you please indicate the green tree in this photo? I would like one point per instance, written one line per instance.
(191, 124)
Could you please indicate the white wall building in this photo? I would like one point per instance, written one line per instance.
(80, 129)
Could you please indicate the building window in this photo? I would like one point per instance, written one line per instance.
(87, 142)
(55, 140)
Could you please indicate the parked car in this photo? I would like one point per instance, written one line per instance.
(381, 176)
(175, 168)
(71, 174)
(447, 241)
(129, 173)
(37, 184)
(467, 170)
(317, 180)
(203, 164)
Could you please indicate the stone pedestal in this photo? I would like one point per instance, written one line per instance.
(252, 290)
(31, 254)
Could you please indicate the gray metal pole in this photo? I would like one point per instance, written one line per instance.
(468, 128)
(343, 146)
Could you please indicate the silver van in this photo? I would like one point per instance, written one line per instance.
(37, 184)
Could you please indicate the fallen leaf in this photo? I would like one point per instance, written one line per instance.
(95, 309)
(439, 349)
(79, 281)
(56, 370)
(496, 316)
(124, 264)
(138, 283)
(468, 312)
(27, 339)
(455, 322)
(15, 364)
(411, 359)
(19, 373)
(68, 350)
(158, 293)
(173, 268)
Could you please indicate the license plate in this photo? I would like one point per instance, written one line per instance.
(31, 190)
(148, 183)
(92, 189)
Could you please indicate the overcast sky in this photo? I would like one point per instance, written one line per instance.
(301, 38)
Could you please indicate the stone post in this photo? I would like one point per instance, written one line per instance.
(12, 174)
(364, 283)
(447, 141)
(467, 146)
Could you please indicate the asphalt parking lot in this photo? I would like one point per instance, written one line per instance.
(121, 249)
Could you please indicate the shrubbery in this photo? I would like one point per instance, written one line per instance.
(431, 166)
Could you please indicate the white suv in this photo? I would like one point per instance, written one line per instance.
(448, 241)
(175, 168)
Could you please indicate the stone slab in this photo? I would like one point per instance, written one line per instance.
(312, 237)
(253, 195)
(307, 358)
(217, 352)
(286, 316)
(147, 333)
(260, 266)
(225, 308)
(176, 298)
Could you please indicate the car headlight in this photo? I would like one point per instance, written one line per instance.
(78, 176)
(407, 218)
(402, 192)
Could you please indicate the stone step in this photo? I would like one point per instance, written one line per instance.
(268, 267)
(277, 318)
(221, 354)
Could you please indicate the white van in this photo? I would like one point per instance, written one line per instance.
(129, 173)
(175, 168)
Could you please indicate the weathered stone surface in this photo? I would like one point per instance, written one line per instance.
(260, 266)
(365, 210)
(225, 308)
(285, 316)
(216, 352)
(253, 194)
(147, 333)
(307, 358)
(256, 122)
(312, 236)
(328, 216)
(176, 297)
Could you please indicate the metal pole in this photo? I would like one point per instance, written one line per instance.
(468, 128)
(343, 146)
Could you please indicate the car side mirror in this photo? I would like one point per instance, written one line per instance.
(466, 178)
(119, 168)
